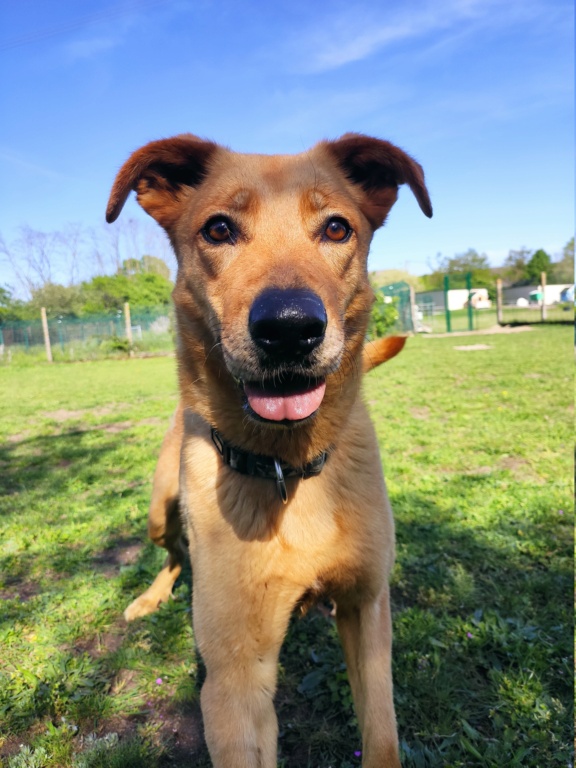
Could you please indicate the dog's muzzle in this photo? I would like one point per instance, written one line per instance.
(286, 326)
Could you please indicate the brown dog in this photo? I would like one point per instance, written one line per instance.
(280, 486)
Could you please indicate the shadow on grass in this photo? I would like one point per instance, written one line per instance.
(480, 635)
(40, 463)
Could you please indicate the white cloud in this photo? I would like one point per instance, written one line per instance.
(351, 36)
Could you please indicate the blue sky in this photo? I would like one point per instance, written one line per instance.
(479, 91)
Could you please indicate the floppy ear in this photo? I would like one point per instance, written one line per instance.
(159, 172)
(378, 168)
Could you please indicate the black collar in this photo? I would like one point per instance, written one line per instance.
(265, 466)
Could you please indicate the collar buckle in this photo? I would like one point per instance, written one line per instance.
(280, 482)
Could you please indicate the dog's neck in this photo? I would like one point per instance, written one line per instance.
(265, 467)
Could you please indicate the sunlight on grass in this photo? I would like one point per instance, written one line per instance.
(477, 448)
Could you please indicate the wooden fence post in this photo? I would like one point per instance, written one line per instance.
(413, 310)
(499, 309)
(543, 307)
(46, 334)
(128, 324)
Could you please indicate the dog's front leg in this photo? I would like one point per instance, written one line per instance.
(239, 637)
(366, 633)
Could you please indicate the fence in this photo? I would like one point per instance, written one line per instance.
(531, 304)
(90, 336)
(400, 297)
(457, 307)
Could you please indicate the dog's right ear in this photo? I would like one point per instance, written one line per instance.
(159, 172)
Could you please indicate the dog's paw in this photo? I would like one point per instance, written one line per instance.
(142, 606)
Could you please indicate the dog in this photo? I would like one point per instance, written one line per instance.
(279, 482)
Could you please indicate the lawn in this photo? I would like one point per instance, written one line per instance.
(477, 447)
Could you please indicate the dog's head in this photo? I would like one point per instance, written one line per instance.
(272, 295)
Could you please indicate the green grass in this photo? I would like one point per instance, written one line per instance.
(477, 447)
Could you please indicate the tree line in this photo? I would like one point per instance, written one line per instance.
(521, 267)
(80, 271)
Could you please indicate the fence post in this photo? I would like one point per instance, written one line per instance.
(499, 309)
(543, 307)
(446, 304)
(46, 334)
(470, 307)
(128, 323)
(413, 310)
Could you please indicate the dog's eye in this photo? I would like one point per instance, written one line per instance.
(338, 230)
(218, 230)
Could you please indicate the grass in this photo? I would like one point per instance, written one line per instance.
(477, 447)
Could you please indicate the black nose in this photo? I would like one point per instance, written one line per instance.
(287, 323)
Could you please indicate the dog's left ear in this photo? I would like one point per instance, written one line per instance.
(378, 168)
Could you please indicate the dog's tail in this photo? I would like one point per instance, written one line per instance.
(380, 350)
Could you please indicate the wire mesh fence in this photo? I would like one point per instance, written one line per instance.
(397, 296)
(90, 336)
(397, 311)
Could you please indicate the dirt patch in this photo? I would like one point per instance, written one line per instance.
(519, 468)
(473, 348)
(20, 590)
(495, 329)
(182, 732)
(114, 427)
(12, 744)
(177, 729)
(420, 412)
(512, 462)
(123, 552)
(63, 414)
(153, 421)
(102, 643)
(19, 437)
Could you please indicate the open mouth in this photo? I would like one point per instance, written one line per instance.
(292, 400)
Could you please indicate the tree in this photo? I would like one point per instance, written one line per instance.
(539, 262)
(31, 257)
(516, 266)
(457, 267)
(155, 266)
(57, 300)
(109, 292)
(563, 270)
(10, 308)
(146, 265)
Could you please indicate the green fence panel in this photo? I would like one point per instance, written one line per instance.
(76, 337)
(398, 294)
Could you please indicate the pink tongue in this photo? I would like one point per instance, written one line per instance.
(276, 407)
